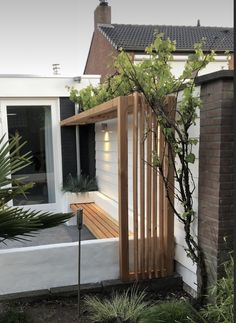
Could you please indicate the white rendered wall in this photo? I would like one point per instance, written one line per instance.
(177, 65)
(18, 86)
(45, 267)
(107, 168)
(36, 90)
(184, 264)
(107, 174)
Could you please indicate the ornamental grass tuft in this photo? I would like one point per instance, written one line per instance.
(125, 307)
(173, 311)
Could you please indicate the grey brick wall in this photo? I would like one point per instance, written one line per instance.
(216, 169)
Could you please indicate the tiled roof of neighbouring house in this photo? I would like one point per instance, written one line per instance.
(138, 37)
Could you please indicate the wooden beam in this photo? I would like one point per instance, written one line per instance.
(142, 190)
(148, 190)
(103, 111)
(161, 206)
(135, 185)
(82, 117)
(154, 200)
(122, 133)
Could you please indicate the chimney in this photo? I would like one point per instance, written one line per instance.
(102, 14)
(198, 23)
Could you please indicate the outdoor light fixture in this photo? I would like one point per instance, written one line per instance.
(104, 127)
(77, 79)
(56, 69)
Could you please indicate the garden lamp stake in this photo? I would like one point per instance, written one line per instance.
(79, 226)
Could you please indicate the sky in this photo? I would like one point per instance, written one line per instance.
(34, 34)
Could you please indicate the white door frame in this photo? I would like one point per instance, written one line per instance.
(56, 141)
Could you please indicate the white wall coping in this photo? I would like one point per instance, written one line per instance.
(179, 58)
(58, 245)
(28, 86)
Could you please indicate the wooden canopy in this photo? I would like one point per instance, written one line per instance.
(102, 112)
(151, 252)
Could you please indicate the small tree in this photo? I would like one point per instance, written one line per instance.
(17, 223)
(153, 78)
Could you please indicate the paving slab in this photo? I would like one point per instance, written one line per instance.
(60, 234)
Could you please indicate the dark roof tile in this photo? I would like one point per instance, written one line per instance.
(138, 37)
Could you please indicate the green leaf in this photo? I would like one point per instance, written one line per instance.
(17, 223)
(190, 158)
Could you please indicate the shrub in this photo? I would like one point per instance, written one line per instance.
(221, 310)
(174, 311)
(80, 184)
(125, 307)
(13, 316)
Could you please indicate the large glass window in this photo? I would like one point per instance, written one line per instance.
(33, 124)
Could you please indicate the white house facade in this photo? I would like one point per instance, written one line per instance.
(32, 107)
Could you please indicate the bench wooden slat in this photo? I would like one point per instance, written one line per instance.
(94, 226)
(108, 217)
(97, 220)
(104, 217)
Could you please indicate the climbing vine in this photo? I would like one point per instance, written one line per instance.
(153, 78)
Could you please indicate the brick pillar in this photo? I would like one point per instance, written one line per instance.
(216, 171)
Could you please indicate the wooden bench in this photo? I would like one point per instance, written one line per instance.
(97, 220)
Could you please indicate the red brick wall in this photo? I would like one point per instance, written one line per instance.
(216, 171)
(101, 56)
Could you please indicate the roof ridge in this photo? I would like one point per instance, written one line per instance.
(163, 25)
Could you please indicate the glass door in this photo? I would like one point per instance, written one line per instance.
(34, 125)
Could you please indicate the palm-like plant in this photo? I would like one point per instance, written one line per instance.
(17, 223)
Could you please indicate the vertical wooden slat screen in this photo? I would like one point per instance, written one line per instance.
(153, 220)
(122, 115)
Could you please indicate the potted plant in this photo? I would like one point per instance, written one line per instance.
(79, 189)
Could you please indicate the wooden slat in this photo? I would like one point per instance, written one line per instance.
(135, 184)
(154, 201)
(142, 191)
(93, 227)
(101, 221)
(161, 208)
(122, 133)
(108, 217)
(97, 221)
(148, 190)
(97, 224)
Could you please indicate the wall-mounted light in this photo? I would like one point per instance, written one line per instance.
(77, 79)
(104, 127)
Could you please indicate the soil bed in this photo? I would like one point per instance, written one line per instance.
(64, 309)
